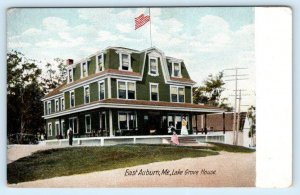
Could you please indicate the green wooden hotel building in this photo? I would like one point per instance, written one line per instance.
(119, 92)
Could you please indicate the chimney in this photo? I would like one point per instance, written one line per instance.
(69, 61)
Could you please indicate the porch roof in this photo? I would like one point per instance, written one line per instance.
(139, 105)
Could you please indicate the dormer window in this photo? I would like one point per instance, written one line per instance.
(125, 62)
(100, 62)
(153, 66)
(176, 70)
(70, 75)
(84, 69)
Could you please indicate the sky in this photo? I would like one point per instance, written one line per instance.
(208, 39)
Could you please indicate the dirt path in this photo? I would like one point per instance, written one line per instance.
(14, 152)
(227, 169)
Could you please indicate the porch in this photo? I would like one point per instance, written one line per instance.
(154, 139)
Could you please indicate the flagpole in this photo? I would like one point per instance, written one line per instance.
(150, 26)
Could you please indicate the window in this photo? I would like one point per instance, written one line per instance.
(84, 69)
(62, 103)
(127, 120)
(56, 105)
(131, 90)
(176, 69)
(181, 94)
(86, 94)
(100, 62)
(154, 92)
(49, 129)
(174, 92)
(72, 99)
(126, 90)
(49, 107)
(88, 123)
(73, 124)
(153, 66)
(125, 61)
(122, 89)
(57, 128)
(101, 90)
(70, 75)
(177, 94)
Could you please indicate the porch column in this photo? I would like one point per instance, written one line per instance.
(110, 123)
(223, 122)
(196, 119)
(205, 129)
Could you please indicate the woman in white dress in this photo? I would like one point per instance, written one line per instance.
(184, 130)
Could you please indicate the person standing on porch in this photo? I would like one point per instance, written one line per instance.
(70, 136)
(184, 130)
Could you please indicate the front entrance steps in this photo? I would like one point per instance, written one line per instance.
(186, 141)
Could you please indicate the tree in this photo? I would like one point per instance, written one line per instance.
(24, 92)
(210, 92)
(56, 74)
(62, 71)
(251, 114)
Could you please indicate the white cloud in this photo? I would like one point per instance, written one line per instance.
(55, 24)
(17, 44)
(126, 28)
(32, 32)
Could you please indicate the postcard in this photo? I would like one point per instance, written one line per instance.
(145, 97)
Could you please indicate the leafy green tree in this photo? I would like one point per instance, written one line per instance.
(24, 92)
(210, 92)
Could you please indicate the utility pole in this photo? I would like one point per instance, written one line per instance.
(239, 117)
(236, 78)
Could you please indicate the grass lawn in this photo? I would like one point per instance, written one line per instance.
(77, 160)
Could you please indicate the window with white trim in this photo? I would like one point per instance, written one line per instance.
(177, 94)
(72, 99)
(126, 90)
(56, 105)
(57, 128)
(125, 62)
(70, 75)
(84, 69)
(176, 69)
(100, 62)
(154, 92)
(101, 90)
(49, 129)
(127, 120)
(88, 127)
(153, 66)
(62, 103)
(87, 94)
(49, 107)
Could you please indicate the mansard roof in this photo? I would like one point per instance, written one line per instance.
(140, 58)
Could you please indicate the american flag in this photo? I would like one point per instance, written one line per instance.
(141, 20)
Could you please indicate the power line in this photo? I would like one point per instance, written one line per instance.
(236, 78)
